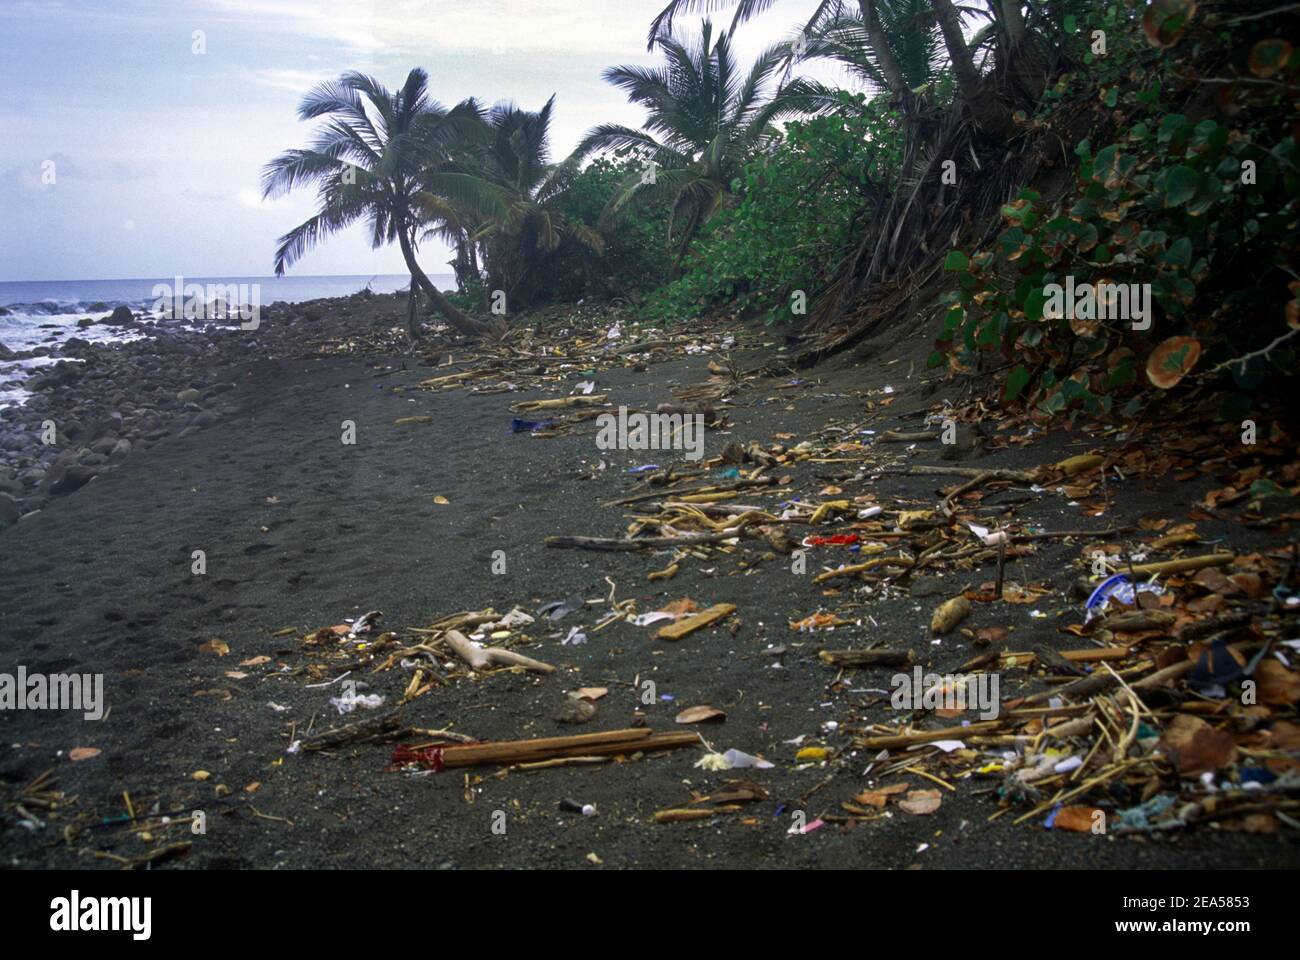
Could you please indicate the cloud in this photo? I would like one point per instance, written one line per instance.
(251, 198)
(60, 169)
(295, 81)
(416, 27)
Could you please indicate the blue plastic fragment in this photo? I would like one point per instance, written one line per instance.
(529, 426)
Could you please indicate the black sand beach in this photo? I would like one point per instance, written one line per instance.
(300, 530)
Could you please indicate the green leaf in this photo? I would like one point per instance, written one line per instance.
(1267, 488)
(956, 261)
(1017, 380)
(1181, 183)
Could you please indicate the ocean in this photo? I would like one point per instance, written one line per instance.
(45, 312)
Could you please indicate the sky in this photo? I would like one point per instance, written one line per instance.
(134, 132)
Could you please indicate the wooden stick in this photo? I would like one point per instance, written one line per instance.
(675, 631)
(623, 543)
(552, 748)
(526, 406)
(868, 658)
(860, 567)
(387, 724)
(1062, 534)
(1015, 476)
(1184, 565)
(740, 484)
(894, 436)
(480, 658)
(928, 736)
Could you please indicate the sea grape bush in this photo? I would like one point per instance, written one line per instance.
(1201, 207)
(791, 217)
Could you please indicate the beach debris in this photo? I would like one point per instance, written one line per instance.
(382, 727)
(559, 609)
(701, 714)
(729, 798)
(920, 803)
(574, 710)
(613, 742)
(351, 700)
(699, 621)
(867, 658)
(366, 622)
(481, 658)
(949, 614)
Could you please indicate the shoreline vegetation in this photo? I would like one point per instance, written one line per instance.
(975, 373)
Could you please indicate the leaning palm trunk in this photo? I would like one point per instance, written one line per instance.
(989, 112)
(884, 55)
(457, 318)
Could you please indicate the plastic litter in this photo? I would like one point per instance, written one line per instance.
(1120, 589)
(518, 425)
(351, 700)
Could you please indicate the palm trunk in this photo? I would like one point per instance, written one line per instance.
(413, 311)
(461, 321)
(990, 113)
(884, 55)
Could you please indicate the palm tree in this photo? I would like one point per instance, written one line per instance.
(370, 162)
(905, 30)
(705, 120)
(887, 38)
(518, 242)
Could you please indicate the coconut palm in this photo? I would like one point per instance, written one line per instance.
(842, 34)
(370, 162)
(517, 245)
(889, 30)
(705, 120)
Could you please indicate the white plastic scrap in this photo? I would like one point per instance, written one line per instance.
(575, 637)
(989, 539)
(365, 622)
(351, 700)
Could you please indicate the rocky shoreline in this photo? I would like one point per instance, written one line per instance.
(99, 403)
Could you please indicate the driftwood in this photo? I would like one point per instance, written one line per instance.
(868, 658)
(1062, 534)
(480, 658)
(1134, 621)
(631, 740)
(895, 436)
(645, 346)
(1015, 476)
(374, 728)
(675, 631)
(722, 487)
(856, 568)
(1185, 565)
(623, 543)
(562, 403)
(928, 736)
